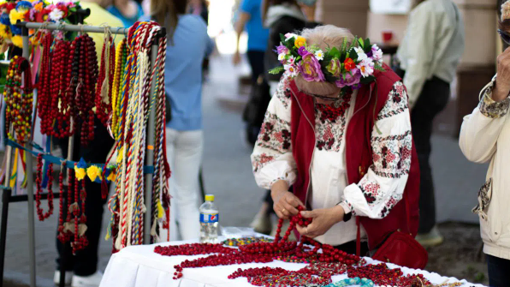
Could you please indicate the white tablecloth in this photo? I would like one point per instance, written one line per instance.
(139, 266)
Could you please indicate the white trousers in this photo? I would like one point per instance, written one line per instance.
(184, 150)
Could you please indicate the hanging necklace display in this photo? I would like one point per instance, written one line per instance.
(131, 104)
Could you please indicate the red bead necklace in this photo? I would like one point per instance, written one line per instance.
(263, 252)
(62, 235)
(42, 216)
(44, 89)
(381, 274)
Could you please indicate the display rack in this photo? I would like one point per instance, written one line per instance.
(7, 196)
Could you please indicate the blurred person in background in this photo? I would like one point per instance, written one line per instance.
(188, 45)
(129, 11)
(81, 268)
(201, 8)
(485, 137)
(429, 55)
(281, 17)
(250, 18)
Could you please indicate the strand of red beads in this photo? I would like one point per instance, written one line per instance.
(62, 236)
(381, 274)
(44, 90)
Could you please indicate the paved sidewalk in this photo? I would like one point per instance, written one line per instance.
(227, 174)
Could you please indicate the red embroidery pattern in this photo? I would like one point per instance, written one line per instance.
(275, 134)
(392, 155)
(397, 102)
(261, 160)
(330, 123)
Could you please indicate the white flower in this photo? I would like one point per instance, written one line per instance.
(319, 55)
(377, 54)
(56, 14)
(361, 54)
(290, 35)
(291, 70)
(366, 67)
(291, 60)
(281, 57)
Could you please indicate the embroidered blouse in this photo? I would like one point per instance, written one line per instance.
(377, 192)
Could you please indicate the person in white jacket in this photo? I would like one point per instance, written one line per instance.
(484, 137)
(429, 55)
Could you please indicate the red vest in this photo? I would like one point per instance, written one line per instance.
(369, 102)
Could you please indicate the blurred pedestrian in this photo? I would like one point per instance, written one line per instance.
(200, 8)
(281, 17)
(250, 17)
(81, 268)
(429, 55)
(128, 11)
(485, 137)
(188, 45)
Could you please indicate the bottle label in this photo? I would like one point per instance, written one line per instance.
(209, 217)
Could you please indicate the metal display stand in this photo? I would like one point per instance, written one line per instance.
(7, 196)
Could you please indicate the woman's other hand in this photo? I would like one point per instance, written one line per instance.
(322, 220)
(285, 202)
(502, 88)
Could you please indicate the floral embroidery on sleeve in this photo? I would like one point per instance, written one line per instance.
(490, 108)
(392, 155)
(274, 134)
(283, 92)
(396, 103)
(382, 187)
(260, 160)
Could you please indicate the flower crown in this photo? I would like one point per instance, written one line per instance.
(349, 67)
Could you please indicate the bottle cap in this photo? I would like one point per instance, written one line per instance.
(209, 197)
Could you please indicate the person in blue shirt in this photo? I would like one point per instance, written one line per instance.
(188, 45)
(128, 11)
(250, 18)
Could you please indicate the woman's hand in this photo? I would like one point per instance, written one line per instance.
(502, 88)
(286, 204)
(322, 220)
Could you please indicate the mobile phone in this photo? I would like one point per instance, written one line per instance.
(307, 2)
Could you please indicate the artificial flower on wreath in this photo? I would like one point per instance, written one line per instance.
(348, 67)
(38, 11)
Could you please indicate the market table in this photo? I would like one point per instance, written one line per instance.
(139, 266)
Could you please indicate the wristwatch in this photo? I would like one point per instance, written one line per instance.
(347, 212)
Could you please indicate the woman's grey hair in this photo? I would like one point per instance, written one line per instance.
(324, 37)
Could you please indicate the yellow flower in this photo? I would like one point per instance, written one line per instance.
(300, 42)
(38, 7)
(16, 15)
(5, 32)
(111, 177)
(94, 172)
(17, 41)
(80, 173)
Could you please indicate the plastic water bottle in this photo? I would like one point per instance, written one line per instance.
(209, 220)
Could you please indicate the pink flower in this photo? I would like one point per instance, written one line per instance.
(366, 67)
(311, 69)
(351, 79)
(282, 49)
(377, 54)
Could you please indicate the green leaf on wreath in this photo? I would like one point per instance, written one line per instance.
(276, 71)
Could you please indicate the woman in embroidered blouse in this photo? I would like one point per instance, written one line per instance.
(335, 192)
